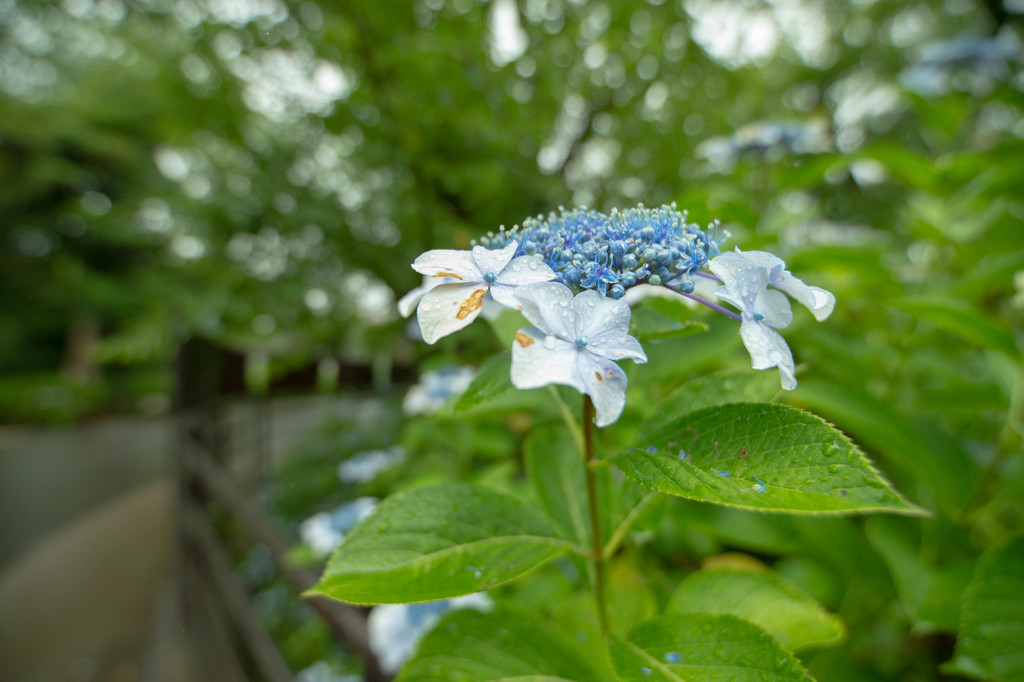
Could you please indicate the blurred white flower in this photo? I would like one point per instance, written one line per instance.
(436, 388)
(366, 466)
(323, 532)
(396, 629)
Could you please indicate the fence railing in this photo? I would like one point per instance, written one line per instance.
(206, 484)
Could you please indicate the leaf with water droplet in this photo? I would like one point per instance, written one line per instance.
(503, 644)
(418, 544)
(782, 447)
(702, 647)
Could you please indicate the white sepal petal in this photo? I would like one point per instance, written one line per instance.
(774, 308)
(606, 385)
(407, 304)
(768, 349)
(594, 314)
(548, 305)
(506, 296)
(539, 359)
(448, 308)
(819, 301)
(526, 270)
(616, 345)
(448, 263)
(494, 260)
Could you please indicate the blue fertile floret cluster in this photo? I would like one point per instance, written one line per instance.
(612, 252)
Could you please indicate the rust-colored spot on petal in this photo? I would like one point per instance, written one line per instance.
(523, 340)
(448, 274)
(475, 300)
(598, 375)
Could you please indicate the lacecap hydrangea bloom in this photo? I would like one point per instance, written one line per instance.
(567, 273)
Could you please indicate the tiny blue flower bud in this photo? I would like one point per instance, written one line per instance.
(629, 260)
(654, 280)
(686, 286)
(650, 254)
(617, 291)
(647, 233)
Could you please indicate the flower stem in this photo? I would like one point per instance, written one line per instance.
(713, 306)
(595, 516)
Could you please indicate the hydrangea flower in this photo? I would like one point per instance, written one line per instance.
(616, 251)
(324, 531)
(575, 342)
(481, 272)
(746, 277)
(436, 388)
(394, 630)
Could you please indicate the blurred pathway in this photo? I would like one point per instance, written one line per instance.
(86, 603)
(89, 587)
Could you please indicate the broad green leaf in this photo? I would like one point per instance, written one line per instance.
(555, 466)
(630, 597)
(762, 597)
(950, 475)
(701, 647)
(491, 380)
(931, 595)
(992, 622)
(760, 456)
(437, 542)
(720, 388)
(504, 644)
(960, 319)
(990, 274)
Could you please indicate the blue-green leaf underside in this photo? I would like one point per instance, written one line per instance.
(760, 456)
(437, 542)
(699, 647)
(504, 644)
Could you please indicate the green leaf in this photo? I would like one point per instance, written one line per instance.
(762, 597)
(704, 647)
(725, 454)
(951, 476)
(720, 388)
(504, 644)
(992, 622)
(555, 467)
(929, 594)
(960, 319)
(491, 381)
(436, 542)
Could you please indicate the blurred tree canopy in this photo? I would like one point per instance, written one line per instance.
(261, 172)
